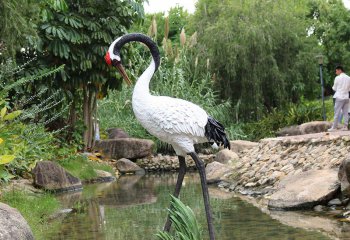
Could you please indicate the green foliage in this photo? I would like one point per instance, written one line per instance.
(294, 114)
(260, 51)
(78, 34)
(17, 25)
(177, 18)
(266, 126)
(37, 209)
(184, 221)
(28, 143)
(304, 112)
(22, 145)
(330, 25)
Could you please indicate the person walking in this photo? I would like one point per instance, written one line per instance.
(341, 87)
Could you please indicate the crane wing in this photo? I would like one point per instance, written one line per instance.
(175, 115)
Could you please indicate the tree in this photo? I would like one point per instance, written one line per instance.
(260, 52)
(17, 25)
(177, 19)
(331, 27)
(78, 34)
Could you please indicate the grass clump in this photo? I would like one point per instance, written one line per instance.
(80, 166)
(36, 209)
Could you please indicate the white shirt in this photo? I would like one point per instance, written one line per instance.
(341, 86)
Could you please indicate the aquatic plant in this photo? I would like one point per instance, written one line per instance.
(184, 221)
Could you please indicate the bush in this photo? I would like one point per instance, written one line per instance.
(294, 114)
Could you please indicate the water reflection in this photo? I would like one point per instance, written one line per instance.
(134, 207)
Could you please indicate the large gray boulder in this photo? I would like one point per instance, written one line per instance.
(130, 148)
(314, 127)
(52, 177)
(305, 128)
(289, 131)
(305, 190)
(216, 172)
(126, 166)
(12, 225)
(240, 145)
(226, 156)
(344, 177)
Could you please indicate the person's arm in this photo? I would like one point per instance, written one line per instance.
(335, 85)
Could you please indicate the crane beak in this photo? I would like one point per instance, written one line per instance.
(123, 73)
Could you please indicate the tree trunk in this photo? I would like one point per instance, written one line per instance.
(89, 111)
(72, 115)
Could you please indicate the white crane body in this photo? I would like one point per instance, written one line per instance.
(172, 120)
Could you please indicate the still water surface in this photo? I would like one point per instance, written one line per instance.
(134, 207)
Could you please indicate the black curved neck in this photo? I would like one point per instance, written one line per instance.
(138, 37)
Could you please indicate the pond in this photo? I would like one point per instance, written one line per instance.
(134, 207)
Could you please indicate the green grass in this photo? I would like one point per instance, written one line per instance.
(36, 210)
(83, 168)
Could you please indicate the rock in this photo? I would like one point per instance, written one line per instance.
(319, 208)
(23, 185)
(240, 145)
(289, 131)
(305, 128)
(115, 133)
(215, 171)
(226, 156)
(305, 190)
(102, 176)
(334, 202)
(314, 127)
(331, 227)
(12, 225)
(344, 177)
(62, 213)
(126, 166)
(130, 148)
(51, 176)
(219, 194)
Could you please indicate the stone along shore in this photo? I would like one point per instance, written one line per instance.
(275, 158)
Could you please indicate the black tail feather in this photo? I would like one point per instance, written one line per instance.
(215, 131)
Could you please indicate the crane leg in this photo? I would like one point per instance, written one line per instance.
(201, 168)
(180, 178)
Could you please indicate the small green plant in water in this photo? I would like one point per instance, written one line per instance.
(184, 221)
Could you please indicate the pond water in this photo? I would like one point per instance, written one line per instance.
(134, 207)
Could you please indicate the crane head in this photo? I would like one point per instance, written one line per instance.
(115, 60)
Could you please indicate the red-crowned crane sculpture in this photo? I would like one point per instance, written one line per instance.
(175, 121)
